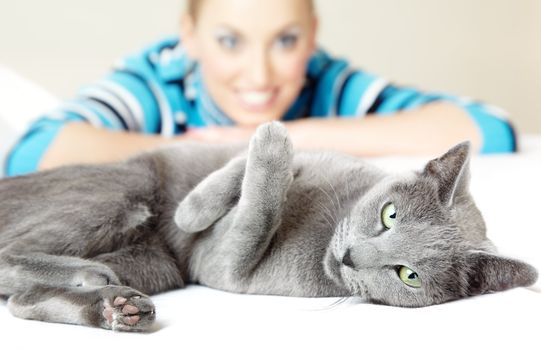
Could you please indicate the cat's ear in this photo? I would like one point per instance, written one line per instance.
(490, 273)
(451, 171)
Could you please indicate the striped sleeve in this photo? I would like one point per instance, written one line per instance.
(133, 97)
(345, 92)
(498, 135)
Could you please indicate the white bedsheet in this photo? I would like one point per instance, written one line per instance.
(507, 190)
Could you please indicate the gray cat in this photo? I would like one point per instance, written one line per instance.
(82, 244)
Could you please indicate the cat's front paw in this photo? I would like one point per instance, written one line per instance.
(269, 171)
(273, 138)
(125, 309)
(271, 148)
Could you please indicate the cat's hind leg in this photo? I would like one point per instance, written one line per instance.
(71, 290)
(148, 266)
(20, 272)
(111, 307)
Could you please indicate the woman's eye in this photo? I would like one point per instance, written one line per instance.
(388, 215)
(228, 42)
(287, 41)
(409, 277)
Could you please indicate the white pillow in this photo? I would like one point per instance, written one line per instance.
(21, 102)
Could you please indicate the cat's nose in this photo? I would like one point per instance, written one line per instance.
(346, 260)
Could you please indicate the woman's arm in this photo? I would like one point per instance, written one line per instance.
(384, 118)
(111, 119)
(430, 129)
(82, 143)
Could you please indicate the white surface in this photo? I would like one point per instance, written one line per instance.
(21, 102)
(507, 191)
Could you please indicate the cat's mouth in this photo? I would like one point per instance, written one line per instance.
(353, 283)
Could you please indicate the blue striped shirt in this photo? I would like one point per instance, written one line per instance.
(160, 91)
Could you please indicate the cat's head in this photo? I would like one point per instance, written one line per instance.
(419, 239)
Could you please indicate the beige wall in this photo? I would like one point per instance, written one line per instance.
(488, 49)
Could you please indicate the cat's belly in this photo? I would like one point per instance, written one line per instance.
(292, 266)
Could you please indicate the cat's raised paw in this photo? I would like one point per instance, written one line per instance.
(270, 134)
(271, 143)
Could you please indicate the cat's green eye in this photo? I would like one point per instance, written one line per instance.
(388, 215)
(409, 277)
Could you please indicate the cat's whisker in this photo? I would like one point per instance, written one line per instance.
(339, 302)
(337, 197)
(347, 190)
(336, 303)
(331, 306)
(327, 211)
(328, 196)
(327, 216)
(335, 193)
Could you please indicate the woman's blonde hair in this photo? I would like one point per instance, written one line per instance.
(193, 6)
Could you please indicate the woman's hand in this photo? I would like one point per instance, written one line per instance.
(220, 134)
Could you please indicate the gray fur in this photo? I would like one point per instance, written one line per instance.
(86, 244)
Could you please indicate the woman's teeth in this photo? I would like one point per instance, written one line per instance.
(256, 98)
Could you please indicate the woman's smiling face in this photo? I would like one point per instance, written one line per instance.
(252, 54)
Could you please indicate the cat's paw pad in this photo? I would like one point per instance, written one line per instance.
(128, 311)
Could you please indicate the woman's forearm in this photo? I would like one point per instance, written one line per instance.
(430, 129)
(80, 143)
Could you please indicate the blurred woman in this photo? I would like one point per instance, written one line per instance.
(239, 63)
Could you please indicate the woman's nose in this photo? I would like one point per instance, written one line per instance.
(259, 70)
